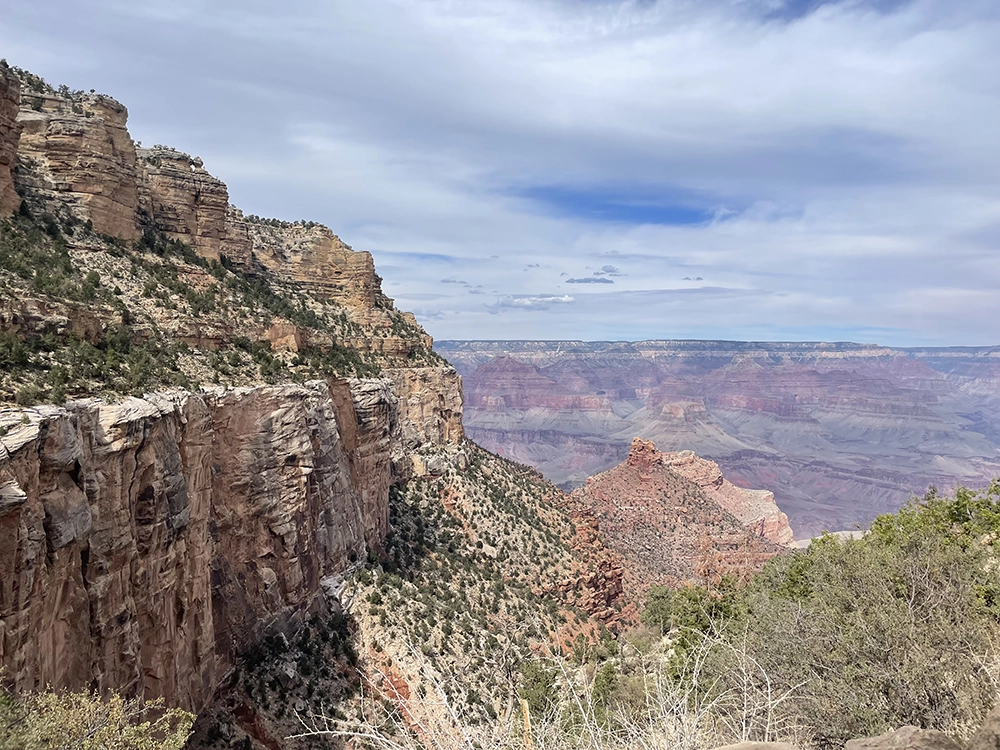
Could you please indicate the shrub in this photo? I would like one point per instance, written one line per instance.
(47, 721)
(899, 627)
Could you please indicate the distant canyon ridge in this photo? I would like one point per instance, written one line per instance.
(839, 432)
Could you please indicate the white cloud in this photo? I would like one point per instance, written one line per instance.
(846, 159)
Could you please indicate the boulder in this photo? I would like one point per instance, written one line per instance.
(907, 738)
(988, 736)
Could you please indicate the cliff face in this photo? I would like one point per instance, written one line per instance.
(78, 163)
(183, 200)
(317, 260)
(149, 542)
(10, 133)
(755, 509)
(431, 403)
(79, 160)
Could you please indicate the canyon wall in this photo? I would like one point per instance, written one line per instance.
(10, 134)
(145, 543)
(183, 200)
(78, 160)
(148, 542)
(838, 432)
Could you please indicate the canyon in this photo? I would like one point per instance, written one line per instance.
(148, 541)
(839, 432)
(235, 477)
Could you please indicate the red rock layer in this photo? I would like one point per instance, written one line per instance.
(755, 509)
(838, 432)
(665, 526)
(147, 543)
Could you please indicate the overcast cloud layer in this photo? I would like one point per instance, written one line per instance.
(740, 169)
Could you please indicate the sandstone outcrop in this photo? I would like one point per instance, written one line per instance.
(149, 542)
(10, 134)
(755, 509)
(430, 402)
(77, 162)
(665, 526)
(316, 259)
(987, 737)
(78, 158)
(183, 200)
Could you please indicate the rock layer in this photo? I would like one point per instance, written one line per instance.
(79, 159)
(755, 509)
(183, 200)
(665, 526)
(839, 432)
(430, 404)
(78, 162)
(317, 259)
(149, 542)
(10, 134)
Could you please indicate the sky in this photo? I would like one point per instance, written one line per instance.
(590, 169)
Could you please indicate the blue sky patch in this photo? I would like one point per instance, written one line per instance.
(621, 207)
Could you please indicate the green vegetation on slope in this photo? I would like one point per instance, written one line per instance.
(850, 638)
(858, 636)
(448, 625)
(54, 721)
(82, 314)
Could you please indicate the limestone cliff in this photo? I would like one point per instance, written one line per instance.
(431, 405)
(78, 159)
(10, 133)
(183, 200)
(147, 543)
(77, 162)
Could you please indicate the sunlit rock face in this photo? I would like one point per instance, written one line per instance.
(147, 543)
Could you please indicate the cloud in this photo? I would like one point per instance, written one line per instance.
(609, 270)
(540, 302)
(832, 161)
